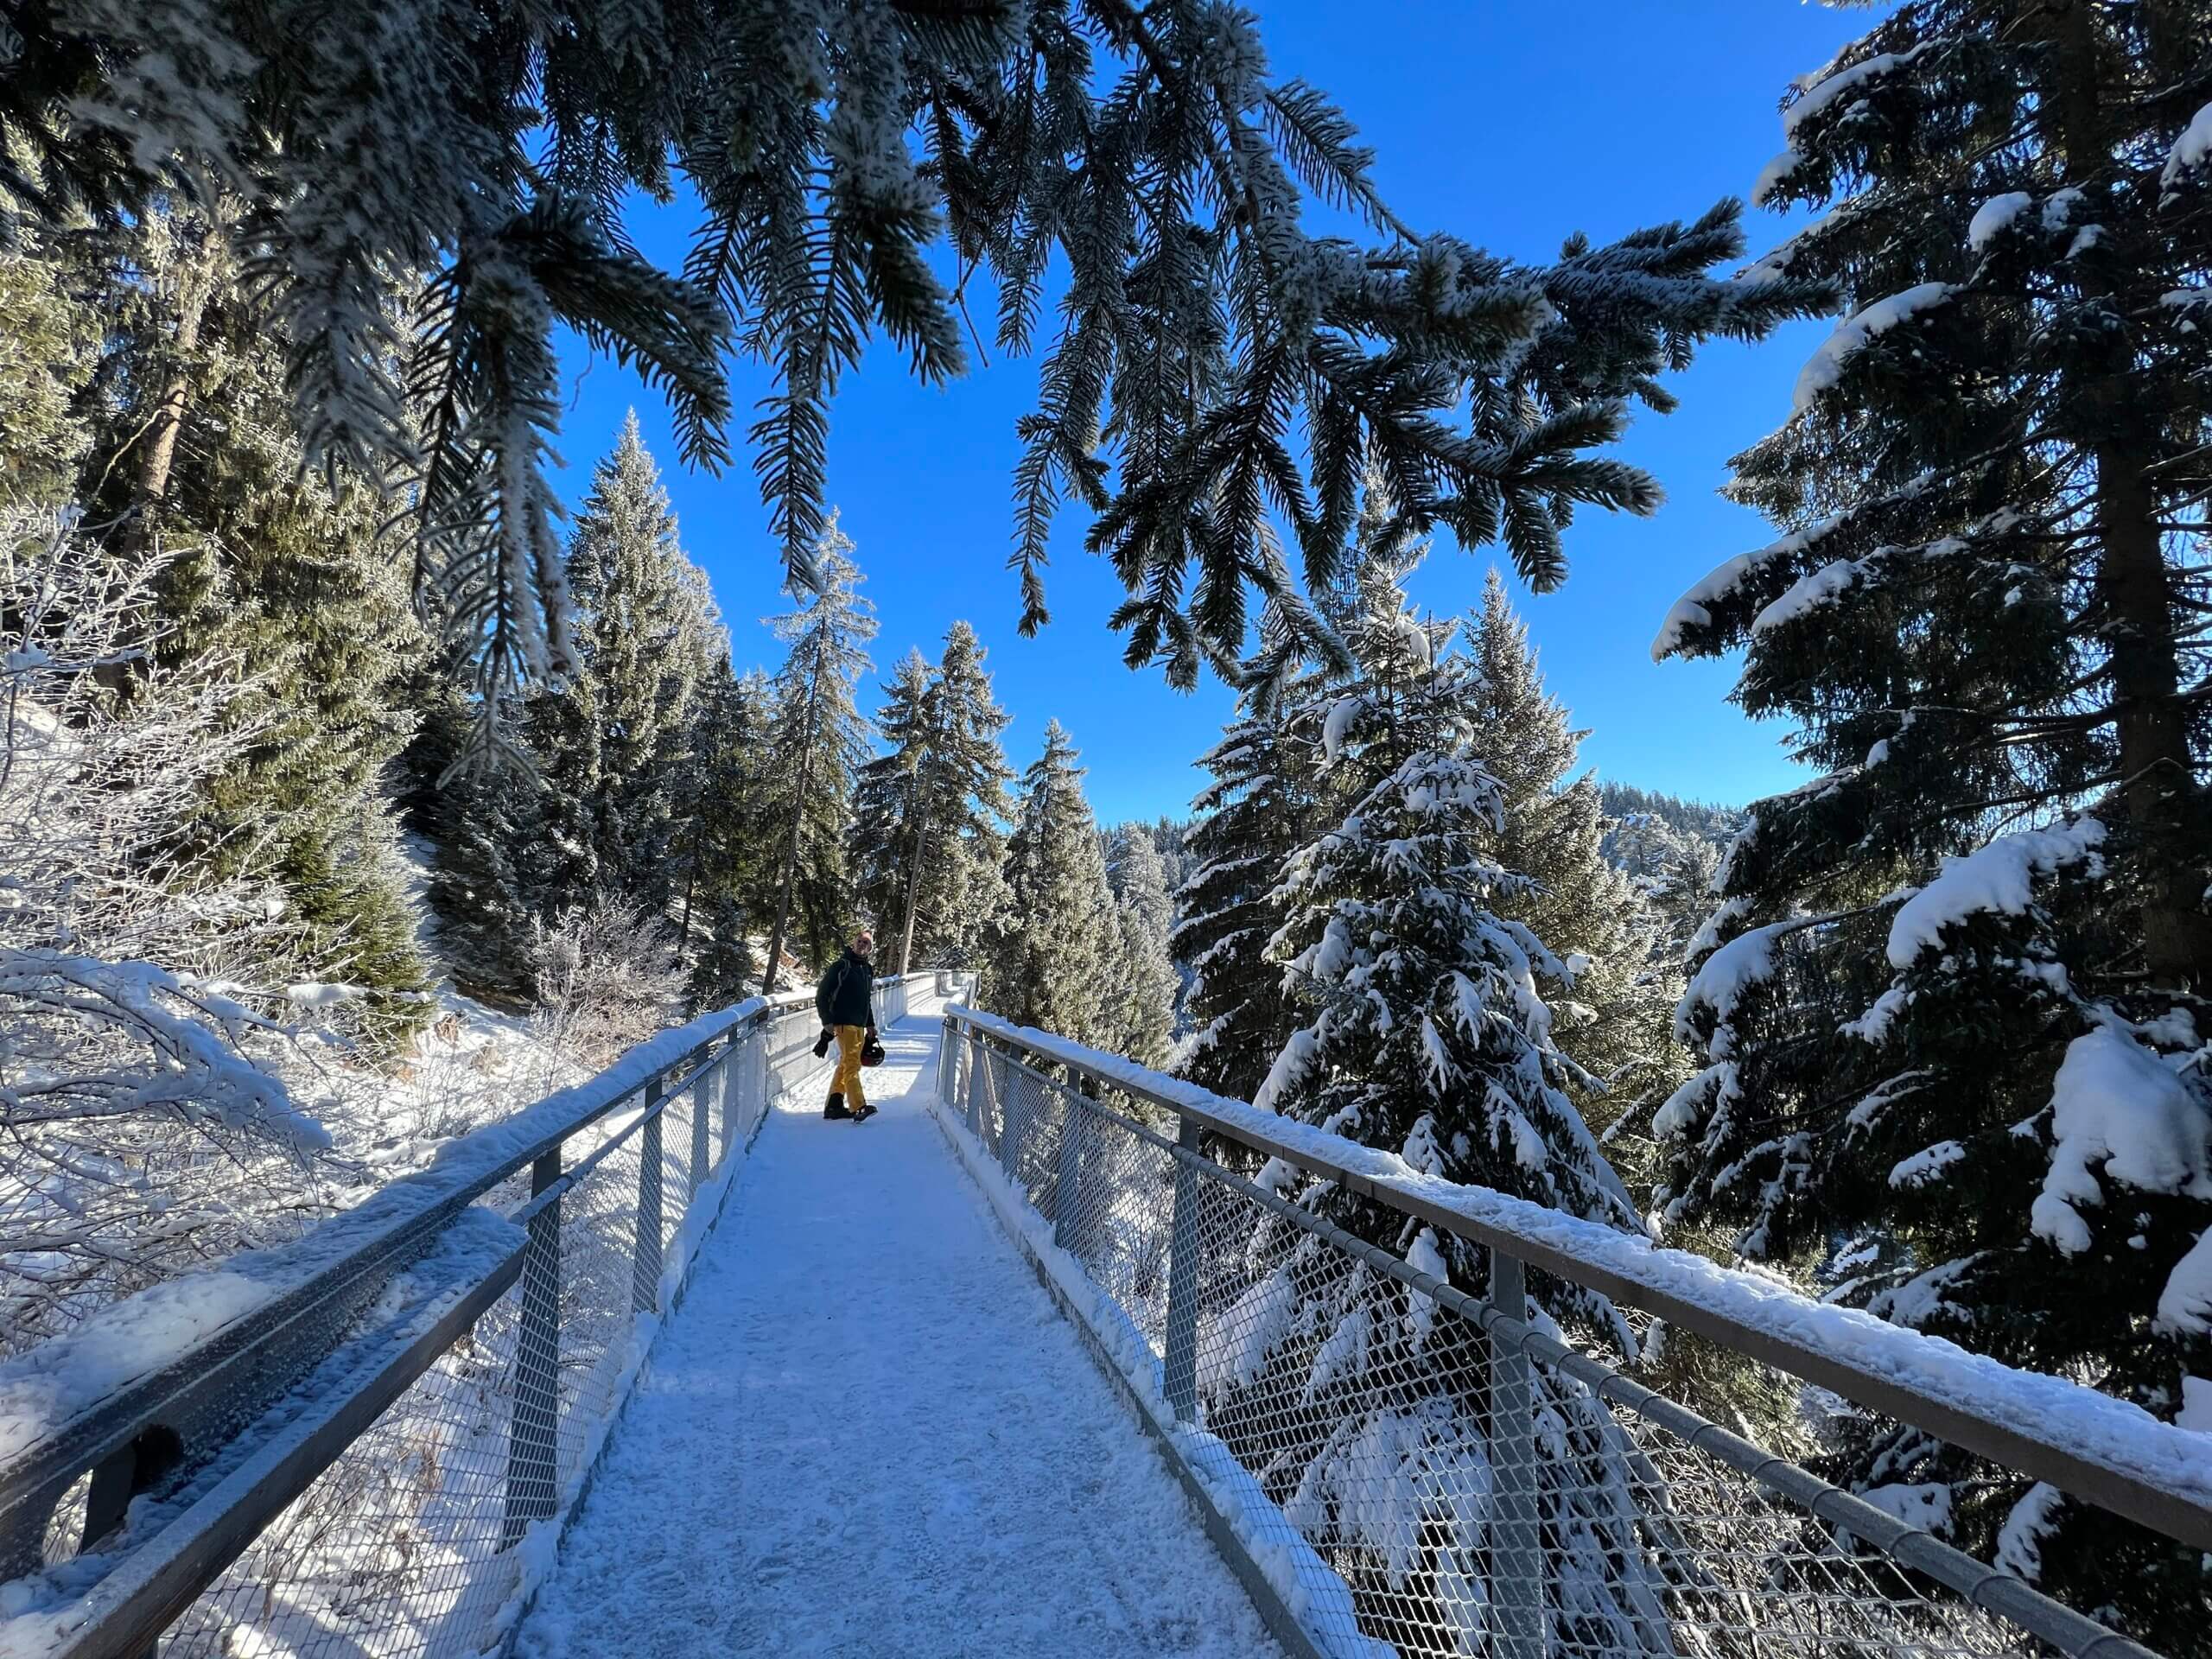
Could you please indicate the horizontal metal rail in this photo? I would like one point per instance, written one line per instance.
(2034, 1447)
(225, 1434)
(1974, 1581)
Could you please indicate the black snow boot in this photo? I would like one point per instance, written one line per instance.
(865, 1112)
(835, 1107)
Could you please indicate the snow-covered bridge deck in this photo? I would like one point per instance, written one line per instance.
(868, 1430)
(869, 1426)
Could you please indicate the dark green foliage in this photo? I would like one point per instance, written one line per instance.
(722, 866)
(1616, 1015)
(279, 573)
(1260, 808)
(928, 813)
(890, 825)
(1700, 820)
(817, 741)
(1050, 959)
(612, 746)
(1986, 623)
(49, 347)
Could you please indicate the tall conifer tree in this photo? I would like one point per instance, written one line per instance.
(1052, 960)
(1426, 1032)
(1146, 983)
(723, 863)
(1955, 1017)
(816, 744)
(968, 779)
(279, 569)
(1257, 811)
(928, 812)
(891, 818)
(1616, 1017)
(612, 745)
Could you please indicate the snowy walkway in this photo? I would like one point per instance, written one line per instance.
(868, 1431)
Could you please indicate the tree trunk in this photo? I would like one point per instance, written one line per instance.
(164, 425)
(913, 891)
(156, 464)
(915, 818)
(2158, 792)
(798, 819)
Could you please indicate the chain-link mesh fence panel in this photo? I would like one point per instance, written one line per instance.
(1119, 1217)
(397, 1548)
(1444, 1479)
(414, 1540)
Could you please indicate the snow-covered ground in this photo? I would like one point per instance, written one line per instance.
(868, 1431)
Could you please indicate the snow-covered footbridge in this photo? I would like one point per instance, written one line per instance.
(1048, 1358)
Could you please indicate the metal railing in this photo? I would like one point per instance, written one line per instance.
(1415, 1469)
(366, 1443)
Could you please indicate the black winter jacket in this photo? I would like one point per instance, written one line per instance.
(847, 993)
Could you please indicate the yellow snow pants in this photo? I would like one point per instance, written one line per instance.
(850, 1039)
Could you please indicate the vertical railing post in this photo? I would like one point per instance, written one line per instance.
(979, 1087)
(964, 1082)
(645, 1287)
(726, 1096)
(1063, 1192)
(534, 1428)
(1013, 1131)
(1181, 1373)
(1517, 1588)
(702, 1092)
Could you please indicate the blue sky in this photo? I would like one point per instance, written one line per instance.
(1512, 124)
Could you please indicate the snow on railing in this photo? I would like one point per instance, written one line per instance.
(379, 1427)
(1445, 1474)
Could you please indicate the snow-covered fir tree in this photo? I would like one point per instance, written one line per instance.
(1426, 1033)
(494, 158)
(891, 822)
(960, 897)
(1170, 840)
(483, 897)
(1257, 811)
(927, 814)
(279, 572)
(612, 745)
(817, 741)
(1617, 1021)
(1269, 798)
(1051, 961)
(723, 861)
(1144, 978)
(1951, 1004)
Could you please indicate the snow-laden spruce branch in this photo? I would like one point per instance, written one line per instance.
(425, 194)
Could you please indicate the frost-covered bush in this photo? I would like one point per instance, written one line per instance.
(143, 1127)
(606, 976)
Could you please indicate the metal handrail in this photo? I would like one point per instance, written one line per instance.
(237, 1424)
(2168, 1505)
(1514, 1343)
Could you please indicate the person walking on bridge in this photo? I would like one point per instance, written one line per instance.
(846, 1001)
